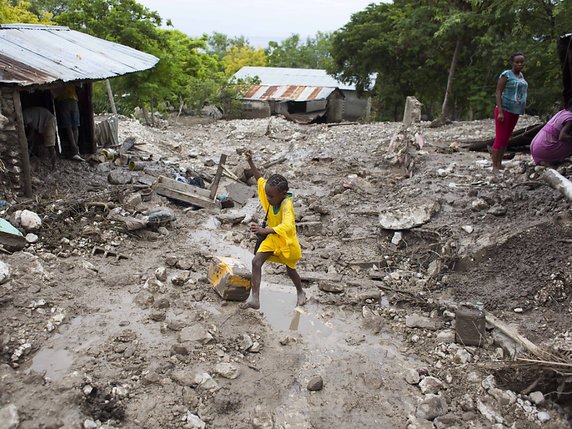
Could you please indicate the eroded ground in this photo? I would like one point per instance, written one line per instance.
(137, 338)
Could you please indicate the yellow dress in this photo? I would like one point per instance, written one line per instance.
(284, 244)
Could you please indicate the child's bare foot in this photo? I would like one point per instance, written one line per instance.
(301, 298)
(250, 303)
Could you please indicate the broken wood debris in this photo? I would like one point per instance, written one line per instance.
(558, 182)
(183, 192)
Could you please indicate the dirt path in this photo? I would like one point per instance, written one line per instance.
(143, 341)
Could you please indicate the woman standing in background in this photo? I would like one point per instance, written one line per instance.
(511, 101)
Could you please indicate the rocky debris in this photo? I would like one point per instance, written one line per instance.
(412, 376)
(227, 370)
(418, 321)
(262, 418)
(331, 287)
(402, 218)
(432, 406)
(430, 385)
(194, 422)
(315, 383)
(195, 334)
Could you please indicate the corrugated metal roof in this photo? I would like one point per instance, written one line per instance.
(287, 92)
(33, 54)
(290, 76)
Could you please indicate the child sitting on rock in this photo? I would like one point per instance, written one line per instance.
(279, 241)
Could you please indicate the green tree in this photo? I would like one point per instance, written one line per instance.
(238, 57)
(22, 12)
(292, 52)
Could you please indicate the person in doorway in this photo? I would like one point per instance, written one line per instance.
(511, 94)
(554, 141)
(279, 242)
(67, 110)
(40, 123)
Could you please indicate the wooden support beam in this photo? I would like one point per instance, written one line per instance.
(216, 180)
(23, 145)
(558, 182)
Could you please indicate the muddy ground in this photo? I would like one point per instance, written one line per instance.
(106, 327)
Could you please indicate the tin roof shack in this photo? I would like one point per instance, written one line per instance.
(302, 104)
(36, 59)
(354, 107)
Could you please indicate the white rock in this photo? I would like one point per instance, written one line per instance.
(543, 416)
(4, 272)
(205, 381)
(536, 397)
(447, 336)
(30, 221)
(468, 229)
(194, 421)
(397, 237)
(430, 385)
(227, 370)
(462, 356)
(412, 376)
(9, 418)
(31, 238)
(89, 424)
(488, 413)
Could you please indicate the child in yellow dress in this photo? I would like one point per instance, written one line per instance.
(280, 243)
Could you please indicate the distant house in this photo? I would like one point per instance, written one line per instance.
(36, 59)
(303, 95)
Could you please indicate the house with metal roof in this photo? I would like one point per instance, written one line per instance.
(309, 92)
(37, 60)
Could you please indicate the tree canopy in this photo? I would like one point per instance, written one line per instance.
(412, 45)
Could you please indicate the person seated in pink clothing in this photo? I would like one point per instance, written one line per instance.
(554, 141)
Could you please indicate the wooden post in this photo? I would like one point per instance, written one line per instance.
(114, 111)
(23, 145)
(214, 186)
(558, 182)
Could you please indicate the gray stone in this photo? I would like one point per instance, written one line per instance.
(262, 418)
(204, 381)
(157, 315)
(479, 204)
(503, 397)
(245, 342)
(144, 299)
(448, 421)
(536, 397)
(161, 274)
(185, 264)
(430, 385)
(462, 356)
(9, 418)
(227, 370)
(331, 287)
(415, 423)
(178, 349)
(431, 407)
(497, 210)
(132, 201)
(447, 336)
(162, 303)
(487, 412)
(195, 334)
(466, 403)
(316, 383)
(180, 279)
(417, 321)
(412, 376)
(119, 177)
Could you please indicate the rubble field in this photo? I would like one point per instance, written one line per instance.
(108, 319)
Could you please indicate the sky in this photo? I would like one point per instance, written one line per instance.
(260, 21)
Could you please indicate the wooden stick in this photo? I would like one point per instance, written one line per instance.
(558, 182)
(511, 332)
(214, 186)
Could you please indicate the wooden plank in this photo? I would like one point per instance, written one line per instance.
(183, 187)
(27, 176)
(190, 198)
(216, 181)
(184, 192)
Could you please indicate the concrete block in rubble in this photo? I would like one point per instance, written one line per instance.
(417, 321)
(412, 112)
(310, 228)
